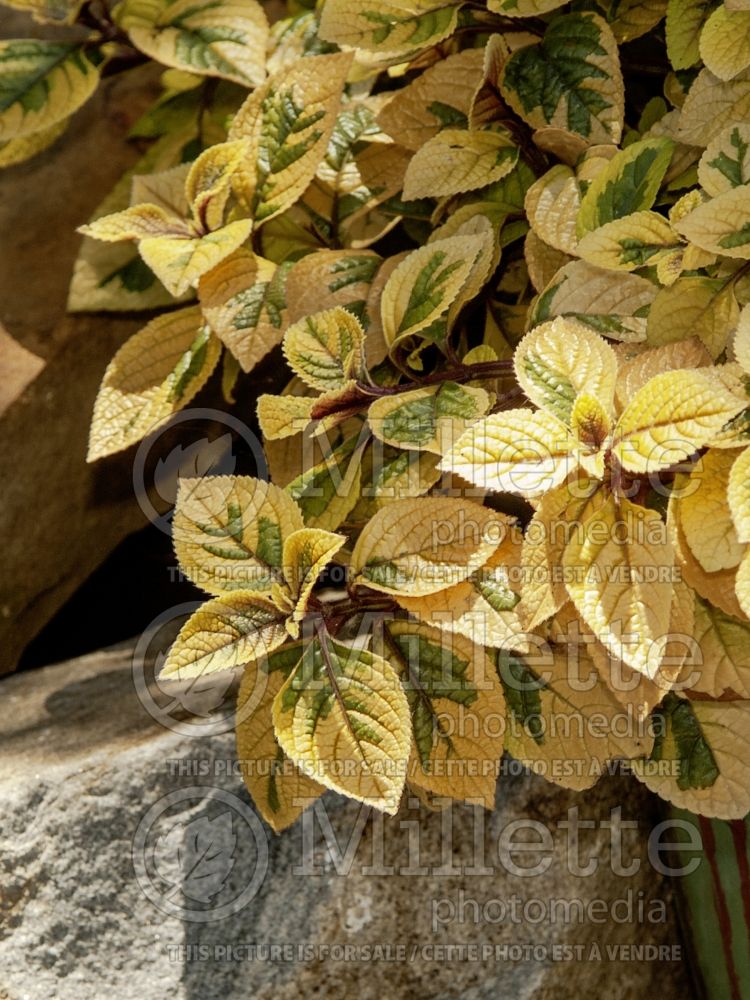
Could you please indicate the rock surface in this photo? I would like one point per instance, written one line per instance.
(109, 889)
(59, 517)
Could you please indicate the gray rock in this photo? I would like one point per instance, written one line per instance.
(96, 900)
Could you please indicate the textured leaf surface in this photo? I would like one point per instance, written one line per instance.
(726, 161)
(424, 285)
(344, 719)
(721, 225)
(724, 643)
(226, 632)
(551, 727)
(672, 416)
(709, 743)
(558, 360)
(225, 38)
(571, 80)
(549, 531)
(712, 105)
(243, 300)
(456, 160)
(279, 789)
(388, 26)
(630, 242)
(326, 349)
(618, 573)
(306, 554)
(629, 183)
(432, 418)
(42, 84)
(229, 532)
(614, 305)
(705, 516)
(725, 42)
(288, 123)
(440, 96)
(482, 608)
(454, 696)
(514, 451)
(418, 546)
(738, 494)
(154, 374)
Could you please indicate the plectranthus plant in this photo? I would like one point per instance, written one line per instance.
(503, 249)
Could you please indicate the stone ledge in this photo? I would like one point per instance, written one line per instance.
(83, 763)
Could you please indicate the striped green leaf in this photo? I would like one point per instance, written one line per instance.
(42, 83)
(570, 80)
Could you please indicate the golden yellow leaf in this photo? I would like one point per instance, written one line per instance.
(619, 573)
(635, 371)
(615, 304)
(229, 532)
(207, 184)
(481, 608)
(456, 160)
(742, 585)
(673, 415)
(708, 744)
(242, 299)
(738, 494)
(693, 307)
(563, 721)
(638, 693)
(280, 791)
(432, 418)
(711, 105)
(306, 554)
(137, 223)
(327, 492)
(343, 718)
(225, 632)
(643, 238)
(721, 225)
(542, 261)
(288, 123)
(719, 587)
(741, 343)
(726, 161)
(725, 42)
(704, 515)
(722, 662)
(154, 374)
(326, 349)
(423, 286)
(456, 705)
(330, 278)
(420, 546)
(180, 263)
(558, 512)
(13, 151)
(283, 416)
(514, 451)
(395, 27)
(225, 38)
(558, 360)
(552, 204)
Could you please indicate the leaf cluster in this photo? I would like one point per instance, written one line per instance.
(512, 289)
